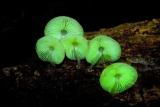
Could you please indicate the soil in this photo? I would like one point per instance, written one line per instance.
(37, 83)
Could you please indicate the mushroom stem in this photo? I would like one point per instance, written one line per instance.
(117, 76)
(77, 57)
(95, 61)
(50, 59)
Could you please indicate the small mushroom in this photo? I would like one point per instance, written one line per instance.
(101, 49)
(75, 48)
(50, 49)
(118, 77)
(62, 26)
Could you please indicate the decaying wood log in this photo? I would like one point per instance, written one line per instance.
(64, 85)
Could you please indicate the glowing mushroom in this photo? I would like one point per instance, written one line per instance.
(50, 49)
(75, 48)
(101, 49)
(118, 77)
(62, 26)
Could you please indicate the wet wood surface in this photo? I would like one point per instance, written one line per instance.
(40, 84)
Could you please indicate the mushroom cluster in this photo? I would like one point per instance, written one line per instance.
(64, 36)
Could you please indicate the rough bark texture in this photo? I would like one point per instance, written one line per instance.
(36, 83)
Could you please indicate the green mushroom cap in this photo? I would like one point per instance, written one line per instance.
(75, 47)
(62, 26)
(118, 77)
(50, 49)
(102, 49)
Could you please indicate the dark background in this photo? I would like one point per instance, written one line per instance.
(22, 22)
